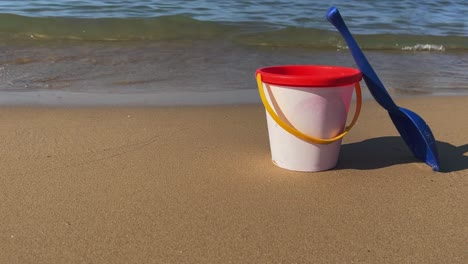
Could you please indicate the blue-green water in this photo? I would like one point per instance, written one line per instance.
(436, 25)
(434, 17)
(170, 46)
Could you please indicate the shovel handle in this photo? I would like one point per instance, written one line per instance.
(373, 82)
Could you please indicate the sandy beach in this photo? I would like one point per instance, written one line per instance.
(196, 185)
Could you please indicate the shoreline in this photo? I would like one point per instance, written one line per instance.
(64, 98)
(204, 66)
(155, 99)
(184, 184)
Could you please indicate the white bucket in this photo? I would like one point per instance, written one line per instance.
(306, 109)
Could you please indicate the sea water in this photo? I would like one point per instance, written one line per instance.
(153, 51)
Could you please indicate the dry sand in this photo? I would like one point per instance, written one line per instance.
(196, 185)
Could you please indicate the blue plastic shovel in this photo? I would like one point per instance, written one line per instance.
(412, 128)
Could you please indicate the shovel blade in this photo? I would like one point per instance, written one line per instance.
(417, 135)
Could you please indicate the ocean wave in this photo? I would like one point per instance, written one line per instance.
(174, 27)
(185, 28)
(323, 39)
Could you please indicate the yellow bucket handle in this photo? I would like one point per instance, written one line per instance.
(298, 133)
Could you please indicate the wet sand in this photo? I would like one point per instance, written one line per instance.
(196, 185)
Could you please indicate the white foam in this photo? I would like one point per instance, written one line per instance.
(424, 47)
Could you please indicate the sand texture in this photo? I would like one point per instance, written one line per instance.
(196, 185)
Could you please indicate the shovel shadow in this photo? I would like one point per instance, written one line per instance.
(388, 151)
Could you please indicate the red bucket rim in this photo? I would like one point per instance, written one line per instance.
(310, 75)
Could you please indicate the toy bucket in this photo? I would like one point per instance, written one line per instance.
(306, 109)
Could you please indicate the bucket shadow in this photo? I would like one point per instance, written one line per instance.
(388, 151)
